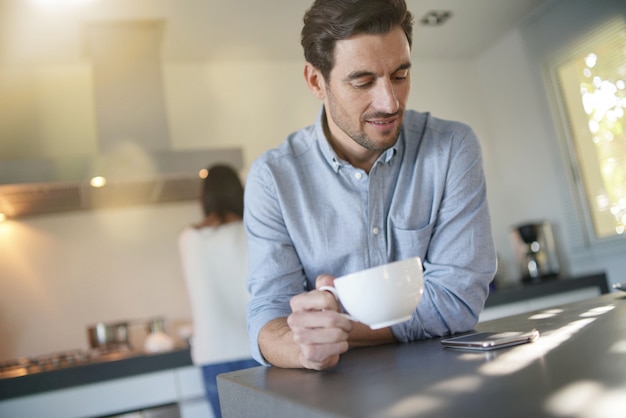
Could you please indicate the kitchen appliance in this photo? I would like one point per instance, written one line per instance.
(132, 160)
(157, 340)
(114, 336)
(61, 360)
(107, 342)
(535, 251)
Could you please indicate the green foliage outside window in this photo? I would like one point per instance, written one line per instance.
(593, 87)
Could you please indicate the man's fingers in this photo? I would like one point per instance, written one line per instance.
(324, 280)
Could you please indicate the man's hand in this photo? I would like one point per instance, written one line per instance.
(315, 334)
(317, 328)
(312, 337)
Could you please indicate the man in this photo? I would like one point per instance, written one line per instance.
(370, 182)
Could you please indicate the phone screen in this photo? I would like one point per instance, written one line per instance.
(490, 340)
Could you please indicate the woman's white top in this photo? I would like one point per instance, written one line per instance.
(214, 262)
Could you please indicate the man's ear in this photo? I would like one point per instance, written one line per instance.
(315, 81)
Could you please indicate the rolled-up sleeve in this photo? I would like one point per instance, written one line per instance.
(275, 274)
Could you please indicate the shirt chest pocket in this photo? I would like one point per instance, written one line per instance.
(407, 243)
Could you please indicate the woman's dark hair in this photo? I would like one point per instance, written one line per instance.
(222, 192)
(328, 21)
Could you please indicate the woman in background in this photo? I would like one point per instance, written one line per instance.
(214, 257)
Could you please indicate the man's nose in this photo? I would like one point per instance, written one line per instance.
(385, 97)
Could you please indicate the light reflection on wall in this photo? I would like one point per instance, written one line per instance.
(12, 235)
(58, 4)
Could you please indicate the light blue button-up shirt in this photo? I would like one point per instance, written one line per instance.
(308, 212)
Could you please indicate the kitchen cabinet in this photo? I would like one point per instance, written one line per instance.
(191, 396)
(96, 399)
(182, 386)
(108, 388)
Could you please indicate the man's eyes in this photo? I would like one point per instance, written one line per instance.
(363, 84)
(401, 75)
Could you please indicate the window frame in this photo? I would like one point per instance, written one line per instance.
(561, 119)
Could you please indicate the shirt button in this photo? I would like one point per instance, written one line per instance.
(375, 230)
(358, 176)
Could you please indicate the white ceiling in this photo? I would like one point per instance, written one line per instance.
(230, 29)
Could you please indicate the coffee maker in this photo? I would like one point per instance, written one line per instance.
(535, 251)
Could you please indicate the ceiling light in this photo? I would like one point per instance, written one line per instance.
(435, 17)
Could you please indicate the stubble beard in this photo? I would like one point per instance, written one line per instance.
(390, 138)
(342, 121)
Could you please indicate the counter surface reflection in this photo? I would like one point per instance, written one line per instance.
(577, 368)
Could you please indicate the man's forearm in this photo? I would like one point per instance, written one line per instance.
(362, 336)
(279, 349)
(277, 344)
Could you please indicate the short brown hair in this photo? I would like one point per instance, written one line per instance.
(328, 21)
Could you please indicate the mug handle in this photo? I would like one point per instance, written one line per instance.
(333, 291)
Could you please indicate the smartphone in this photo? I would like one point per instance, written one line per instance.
(490, 340)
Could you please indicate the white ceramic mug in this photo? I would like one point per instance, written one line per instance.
(381, 296)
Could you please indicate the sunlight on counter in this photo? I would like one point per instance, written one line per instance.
(583, 399)
(521, 356)
(618, 348)
(588, 399)
(414, 405)
(598, 311)
(546, 314)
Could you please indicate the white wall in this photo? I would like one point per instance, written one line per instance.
(252, 104)
(524, 188)
(62, 273)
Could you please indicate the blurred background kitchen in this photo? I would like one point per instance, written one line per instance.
(147, 92)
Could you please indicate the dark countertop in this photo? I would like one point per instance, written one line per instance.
(129, 364)
(580, 356)
(524, 291)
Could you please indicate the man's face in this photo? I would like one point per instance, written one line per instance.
(365, 96)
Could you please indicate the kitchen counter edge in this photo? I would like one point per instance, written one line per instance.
(135, 364)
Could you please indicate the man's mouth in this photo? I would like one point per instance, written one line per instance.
(383, 122)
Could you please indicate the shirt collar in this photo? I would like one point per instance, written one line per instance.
(331, 157)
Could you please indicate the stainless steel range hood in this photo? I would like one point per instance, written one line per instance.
(44, 186)
(134, 153)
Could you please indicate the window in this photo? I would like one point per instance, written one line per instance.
(590, 79)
